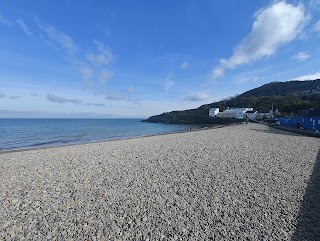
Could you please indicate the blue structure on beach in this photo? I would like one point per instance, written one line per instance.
(308, 123)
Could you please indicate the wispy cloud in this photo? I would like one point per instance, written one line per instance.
(316, 27)
(185, 65)
(5, 21)
(24, 27)
(301, 56)
(217, 72)
(14, 97)
(7, 113)
(168, 84)
(104, 76)
(2, 95)
(131, 90)
(274, 27)
(63, 40)
(102, 56)
(114, 96)
(86, 72)
(94, 68)
(199, 96)
(308, 77)
(96, 104)
(61, 100)
(54, 98)
(314, 4)
(93, 65)
(136, 101)
(18, 22)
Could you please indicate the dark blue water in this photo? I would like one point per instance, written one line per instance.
(35, 133)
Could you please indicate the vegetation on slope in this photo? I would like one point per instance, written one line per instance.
(287, 97)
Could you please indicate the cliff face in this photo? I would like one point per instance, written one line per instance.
(288, 97)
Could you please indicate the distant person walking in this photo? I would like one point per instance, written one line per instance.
(247, 120)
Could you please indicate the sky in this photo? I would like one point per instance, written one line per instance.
(134, 59)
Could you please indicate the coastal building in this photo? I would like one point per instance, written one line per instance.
(241, 111)
(213, 112)
(234, 113)
(264, 114)
(227, 114)
(251, 114)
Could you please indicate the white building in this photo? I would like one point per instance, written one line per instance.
(264, 114)
(240, 112)
(213, 112)
(234, 113)
(227, 114)
(251, 115)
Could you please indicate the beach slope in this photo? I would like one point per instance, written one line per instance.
(245, 182)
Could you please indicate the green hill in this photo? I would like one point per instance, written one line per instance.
(288, 97)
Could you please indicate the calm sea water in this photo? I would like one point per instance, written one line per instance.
(34, 133)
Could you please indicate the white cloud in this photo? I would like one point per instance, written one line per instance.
(103, 55)
(308, 77)
(274, 27)
(65, 41)
(217, 72)
(91, 65)
(185, 65)
(104, 76)
(23, 26)
(316, 27)
(199, 96)
(94, 68)
(301, 56)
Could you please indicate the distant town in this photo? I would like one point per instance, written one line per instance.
(308, 119)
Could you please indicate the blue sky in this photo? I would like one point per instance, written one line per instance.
(118, 58)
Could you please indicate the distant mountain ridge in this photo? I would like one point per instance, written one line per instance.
(283, 88)
(288, 97)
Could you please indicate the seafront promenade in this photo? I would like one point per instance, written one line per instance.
(244, 182)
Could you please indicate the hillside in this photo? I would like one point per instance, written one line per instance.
(283, 88)
(288, 97)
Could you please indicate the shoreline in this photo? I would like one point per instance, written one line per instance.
(244, 182)
(110, 140)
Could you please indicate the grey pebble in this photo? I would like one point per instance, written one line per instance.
(243, 182)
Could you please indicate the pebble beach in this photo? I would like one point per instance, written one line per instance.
(241, 182)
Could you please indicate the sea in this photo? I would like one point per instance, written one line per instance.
(16, 134)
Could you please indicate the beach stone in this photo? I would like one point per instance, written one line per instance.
(243, 182)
